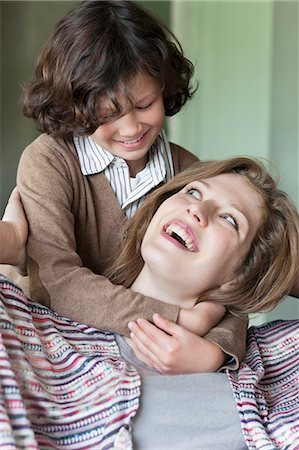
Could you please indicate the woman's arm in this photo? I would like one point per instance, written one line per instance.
(167, 352)
(13, 233)
(172, 349)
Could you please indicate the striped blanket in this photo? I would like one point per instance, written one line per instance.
(63, 385)
(266, 387)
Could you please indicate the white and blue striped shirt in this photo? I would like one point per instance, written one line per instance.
(130, 192)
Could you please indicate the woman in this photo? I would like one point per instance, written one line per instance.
(225, 221)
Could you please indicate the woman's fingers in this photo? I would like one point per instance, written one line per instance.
(147, 333)
(146, 342)
(166, 325)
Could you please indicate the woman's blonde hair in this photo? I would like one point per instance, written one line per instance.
(267, 273)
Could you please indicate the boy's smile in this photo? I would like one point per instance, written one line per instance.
(131, 135)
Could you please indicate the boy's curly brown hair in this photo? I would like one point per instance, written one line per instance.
(95, 49)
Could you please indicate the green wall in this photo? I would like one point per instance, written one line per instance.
(25, 26)
(246, 56)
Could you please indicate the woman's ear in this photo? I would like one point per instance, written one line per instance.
(228, 286)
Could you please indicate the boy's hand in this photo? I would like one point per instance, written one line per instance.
(14, 238)
(171, 349)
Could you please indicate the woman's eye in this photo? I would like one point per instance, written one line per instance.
(230, 219)
(194, 193)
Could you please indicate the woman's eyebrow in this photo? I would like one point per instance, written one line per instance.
(237, 207)
(234, 205)
(204, 183)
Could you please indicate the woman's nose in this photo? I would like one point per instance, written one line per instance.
(200, 212)
(130, 125)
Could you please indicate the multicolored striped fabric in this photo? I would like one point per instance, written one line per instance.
(266, 387)
(63, 385)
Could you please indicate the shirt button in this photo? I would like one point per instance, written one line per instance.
(118, 163)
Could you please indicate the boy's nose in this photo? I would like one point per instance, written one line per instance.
(129, 125)
(200, 212)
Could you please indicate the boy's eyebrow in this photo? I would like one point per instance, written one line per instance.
(149, 94)
(146, 97)
(109, 108)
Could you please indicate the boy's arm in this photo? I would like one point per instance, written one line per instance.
(202, 317)
(58, 277)
(230, 336)
(13, 233)
(48, 181)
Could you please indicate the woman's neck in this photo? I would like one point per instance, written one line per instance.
(153, 285)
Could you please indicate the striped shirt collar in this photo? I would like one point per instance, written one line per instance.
(130, 192)
(95, 159)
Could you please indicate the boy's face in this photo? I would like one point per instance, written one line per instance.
(131, 135)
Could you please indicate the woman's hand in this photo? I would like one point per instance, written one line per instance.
(13, 233)
(171, 349)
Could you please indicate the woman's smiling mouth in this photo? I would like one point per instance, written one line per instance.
(182, 234)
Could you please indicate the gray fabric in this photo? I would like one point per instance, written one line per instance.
(128, 354)
(181, 412)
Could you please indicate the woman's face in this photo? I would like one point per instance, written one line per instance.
(199, 236)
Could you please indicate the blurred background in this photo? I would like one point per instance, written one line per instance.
(246, 55)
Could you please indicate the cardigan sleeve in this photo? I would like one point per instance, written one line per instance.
(230, 335)
(59, 278)
(57, 275)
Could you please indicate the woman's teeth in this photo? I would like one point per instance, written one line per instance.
(178, 233)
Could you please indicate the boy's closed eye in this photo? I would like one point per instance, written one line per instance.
(144, 107)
